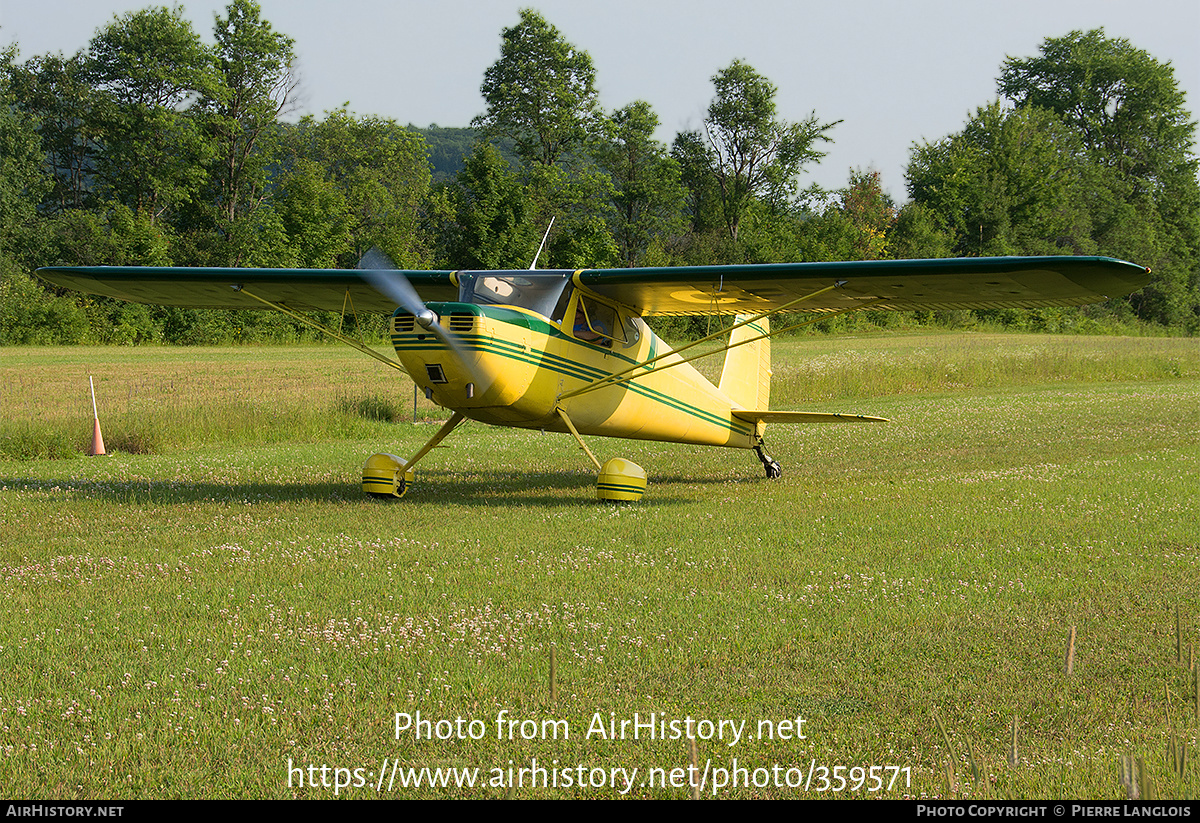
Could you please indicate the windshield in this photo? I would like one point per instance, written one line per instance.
(537, 291)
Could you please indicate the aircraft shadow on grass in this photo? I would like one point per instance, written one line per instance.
(498, 489)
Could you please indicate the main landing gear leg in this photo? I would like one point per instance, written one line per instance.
(387, 476)
(620, 479)
(774, 472)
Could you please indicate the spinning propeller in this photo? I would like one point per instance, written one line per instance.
(378, 269)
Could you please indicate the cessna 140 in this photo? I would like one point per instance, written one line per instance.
(568, 351)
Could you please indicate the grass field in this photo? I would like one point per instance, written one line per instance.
(213, 610)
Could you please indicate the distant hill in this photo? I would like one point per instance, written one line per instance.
(449, 146)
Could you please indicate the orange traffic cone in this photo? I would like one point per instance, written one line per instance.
(97, 438)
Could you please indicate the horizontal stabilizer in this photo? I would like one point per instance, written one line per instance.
(804, 417)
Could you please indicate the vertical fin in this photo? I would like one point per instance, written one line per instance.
(746, 378)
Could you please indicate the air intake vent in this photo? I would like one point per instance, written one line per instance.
(436, 375)
(403, 323)
(462, 321)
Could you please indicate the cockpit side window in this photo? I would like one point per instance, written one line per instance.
(600, 324)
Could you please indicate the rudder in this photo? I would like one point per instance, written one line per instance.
(746, 377)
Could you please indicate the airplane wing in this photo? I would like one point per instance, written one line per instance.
(952, 283)
(216, 288)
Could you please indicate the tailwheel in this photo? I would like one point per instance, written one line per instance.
(386, 477)
(770, 465)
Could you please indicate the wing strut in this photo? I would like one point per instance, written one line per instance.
(308, 321)
(808, 322)
(446, 428)
(613, 378)
(346, 301)
(625, 376)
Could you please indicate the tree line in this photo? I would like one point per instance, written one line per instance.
(150, 148)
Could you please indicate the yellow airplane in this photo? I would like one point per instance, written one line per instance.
(569, 351)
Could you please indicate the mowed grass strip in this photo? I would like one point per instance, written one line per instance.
(190, 622)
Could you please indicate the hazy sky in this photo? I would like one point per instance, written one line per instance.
(895, 73)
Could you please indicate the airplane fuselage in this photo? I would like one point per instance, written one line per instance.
(520, 364)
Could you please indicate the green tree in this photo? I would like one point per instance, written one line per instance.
(314, 215)
(1006, 184)
(647, 195)
(492, 225)
(702, 200)
(51, 92)
(917, 234)
(381, 171)
(871, 213)
(748, 152)
(257, 84)
(448, 148)
(580, 238)
(1125, 105)
(541, 93)
(30, 315)
(23, 181)
(1141, 192)
(541, 97)
(149, 66)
